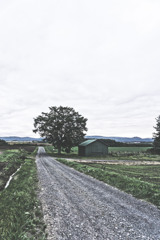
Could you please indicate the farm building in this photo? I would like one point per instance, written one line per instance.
(94, 147)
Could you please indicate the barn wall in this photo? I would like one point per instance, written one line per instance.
(96, 149)
(81, 151)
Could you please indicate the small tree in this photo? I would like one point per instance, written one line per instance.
(63, 127)
(3, 142)
(156, 136)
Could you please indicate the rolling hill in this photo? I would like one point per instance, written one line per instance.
(118, 139)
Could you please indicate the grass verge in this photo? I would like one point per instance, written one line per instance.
(130, 183)
(20, 211)
(10, 161)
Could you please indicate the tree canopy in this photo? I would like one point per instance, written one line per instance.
(3, 142)
(156, 136)
(63, 127)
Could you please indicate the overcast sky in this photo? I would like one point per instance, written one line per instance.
(100, 57)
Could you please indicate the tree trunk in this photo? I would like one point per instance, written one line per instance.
(68, 150)
(59, 150)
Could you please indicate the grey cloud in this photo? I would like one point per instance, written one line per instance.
(102, 58)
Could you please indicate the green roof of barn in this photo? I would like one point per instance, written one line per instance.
(87, 142)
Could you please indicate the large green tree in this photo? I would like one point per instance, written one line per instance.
(63, 127)
(156, 135)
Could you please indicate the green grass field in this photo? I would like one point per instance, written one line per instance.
(128, 149)
(121, 149)
(20, 211)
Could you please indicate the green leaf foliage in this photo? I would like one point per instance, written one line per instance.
(3, 143)
(61, 126)
(156, 136)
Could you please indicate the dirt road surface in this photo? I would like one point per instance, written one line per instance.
(79, 207)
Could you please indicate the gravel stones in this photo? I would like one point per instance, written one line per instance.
(79, 207)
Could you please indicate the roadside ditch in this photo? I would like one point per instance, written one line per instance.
(21, 214)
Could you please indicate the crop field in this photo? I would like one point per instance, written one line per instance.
(148, 174)
(128, 149)
(29, 147)
(141, 181)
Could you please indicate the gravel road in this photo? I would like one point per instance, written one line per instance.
(79, 207)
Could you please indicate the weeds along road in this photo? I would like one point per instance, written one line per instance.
(79, 207)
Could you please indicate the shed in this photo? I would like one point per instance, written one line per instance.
(94, 147)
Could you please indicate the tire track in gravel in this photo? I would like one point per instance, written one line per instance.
(79, 207)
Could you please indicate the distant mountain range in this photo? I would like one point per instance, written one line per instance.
(122, 139)
(21, 139)
(117, 139)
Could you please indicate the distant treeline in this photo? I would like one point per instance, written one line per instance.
(30, 147)
(3, 143)
(113, 143)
